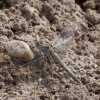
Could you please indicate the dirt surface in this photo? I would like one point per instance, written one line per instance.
(44, 79)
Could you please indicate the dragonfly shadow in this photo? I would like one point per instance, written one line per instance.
(38, 67)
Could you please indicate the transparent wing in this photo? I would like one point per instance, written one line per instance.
(36, 62)
(66, 35)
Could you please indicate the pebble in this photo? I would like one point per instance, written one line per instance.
(20, 50)
(28, 11)
(24, 92)
(92, 37)
(92, 17)
(98, 84)
(40, 79)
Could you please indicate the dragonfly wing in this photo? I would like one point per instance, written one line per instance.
(66, 35)
(35, 63)
(63, 38)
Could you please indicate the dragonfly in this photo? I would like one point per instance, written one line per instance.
(65, 37)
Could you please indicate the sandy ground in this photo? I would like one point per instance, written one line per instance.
(45, 79)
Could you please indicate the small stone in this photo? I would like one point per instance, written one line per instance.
(3, 17)
(92, 17)
(20, 50)
(91, 56)
(97, 84)
(28, 11)
(17, 26)
(63, 81)
(40, 79)
(92, 37)
(84, 79)
(95, 66)
(24, 92)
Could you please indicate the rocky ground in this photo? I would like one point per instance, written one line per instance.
(44, 79)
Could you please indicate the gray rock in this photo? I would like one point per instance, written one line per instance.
(19, 50)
